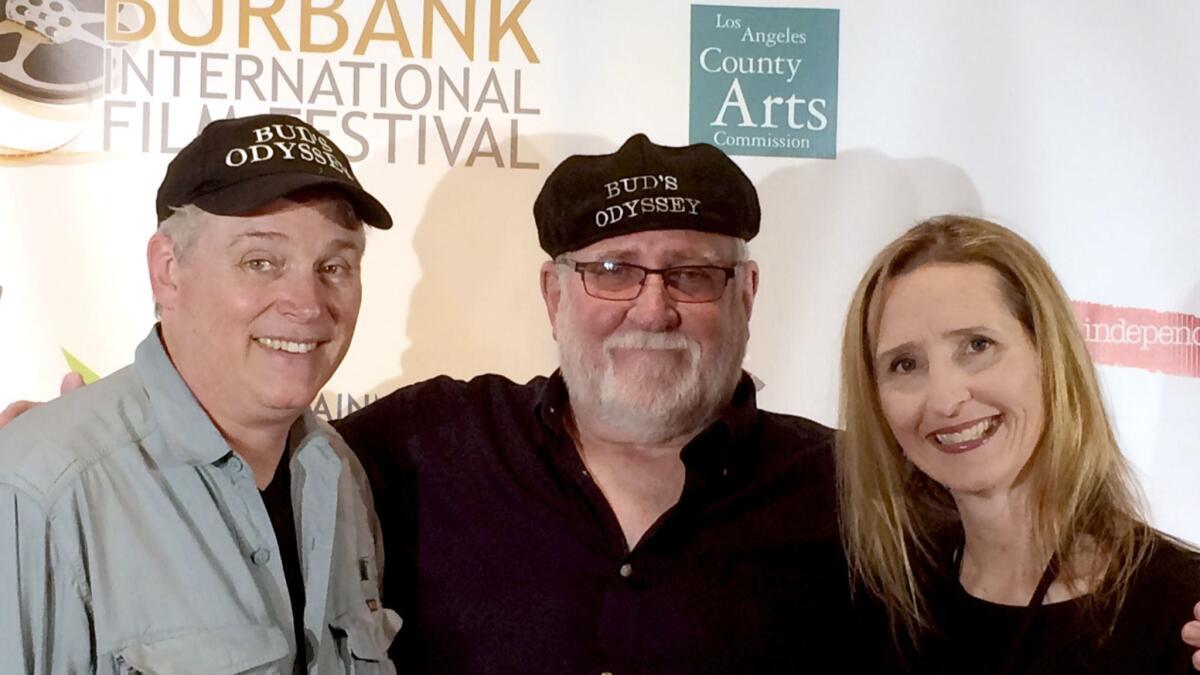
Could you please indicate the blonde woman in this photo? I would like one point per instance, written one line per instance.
(985, 501)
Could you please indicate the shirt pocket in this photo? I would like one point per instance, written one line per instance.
(362, 637)
(220, 651)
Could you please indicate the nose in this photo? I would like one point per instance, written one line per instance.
(653, 310)
(948, 390)
(301, 297)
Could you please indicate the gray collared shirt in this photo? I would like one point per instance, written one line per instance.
(133, 539)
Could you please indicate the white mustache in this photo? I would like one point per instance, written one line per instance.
(650, 340)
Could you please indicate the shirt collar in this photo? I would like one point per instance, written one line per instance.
(550, 405)
(188, 434)
(726, 445)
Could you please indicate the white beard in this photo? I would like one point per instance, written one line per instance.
(655, 403)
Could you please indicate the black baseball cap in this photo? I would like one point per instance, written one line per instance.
(238, 165)
(644, 186)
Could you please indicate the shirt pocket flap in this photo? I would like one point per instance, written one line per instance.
(367, 633)
(220, 651)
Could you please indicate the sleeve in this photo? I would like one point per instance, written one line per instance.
(1183, 594)
(45, 624)
(1157, 606)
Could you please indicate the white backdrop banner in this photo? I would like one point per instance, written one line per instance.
(1071, 122)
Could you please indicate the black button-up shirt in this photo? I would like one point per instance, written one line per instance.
(504, 557)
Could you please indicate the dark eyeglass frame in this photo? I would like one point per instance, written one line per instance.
(664, 272)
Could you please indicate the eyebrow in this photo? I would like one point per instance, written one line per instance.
(681, 258)
(268, 235)
(957, 332)
(258, 234)
(339, 244)
(618, 255)
(883, 357)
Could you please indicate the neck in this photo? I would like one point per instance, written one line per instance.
(640, 479)
(1003, 559)
(259, 441)
(262, 448)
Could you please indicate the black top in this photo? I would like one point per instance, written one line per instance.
(977, 635)
(504, 557)
(277, 497)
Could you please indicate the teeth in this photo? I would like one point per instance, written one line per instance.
(287, 345)
(972, 433)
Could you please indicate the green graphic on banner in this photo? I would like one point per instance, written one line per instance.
(89, 375)
(764, 80)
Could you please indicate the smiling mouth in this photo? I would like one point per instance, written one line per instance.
(289, 346)
(968, 438)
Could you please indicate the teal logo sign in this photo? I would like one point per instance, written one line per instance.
(764, 80)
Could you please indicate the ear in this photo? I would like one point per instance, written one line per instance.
(164, 270)
(749, 286)
(551, 293)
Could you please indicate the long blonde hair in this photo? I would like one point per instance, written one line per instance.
(1081, 484)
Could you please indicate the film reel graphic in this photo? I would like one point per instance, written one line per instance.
(52, 65)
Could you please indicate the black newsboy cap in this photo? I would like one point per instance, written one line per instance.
(238, 165)
(644, 186)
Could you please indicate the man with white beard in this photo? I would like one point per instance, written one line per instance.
(647, 372)
(634, 512)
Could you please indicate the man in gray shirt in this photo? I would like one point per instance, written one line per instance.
(188, 513)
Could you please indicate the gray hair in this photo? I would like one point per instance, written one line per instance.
(184, 224)
(182, 228)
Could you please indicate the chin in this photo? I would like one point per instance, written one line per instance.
(969, 484)
(649, 425)
(295, 400)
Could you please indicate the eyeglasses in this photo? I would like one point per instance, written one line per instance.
(612, 280)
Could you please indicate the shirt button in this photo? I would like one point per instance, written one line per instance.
(626, 570)
(236, 465)
(260, 557)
